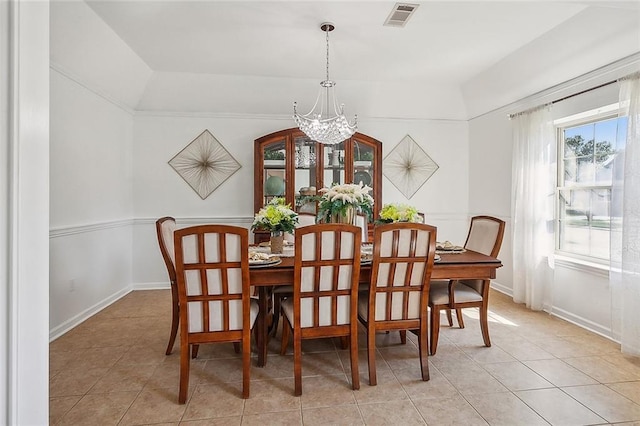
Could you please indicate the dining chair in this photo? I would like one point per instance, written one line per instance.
(403, 256)
(165, 227)
(361, 221)
(212, 271)
(304, 219)
(283, 291)
(485, 236)
(325, 292)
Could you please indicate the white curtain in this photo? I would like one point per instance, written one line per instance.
(532, 206)
(625, 224)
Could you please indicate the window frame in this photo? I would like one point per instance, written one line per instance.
(604, 113)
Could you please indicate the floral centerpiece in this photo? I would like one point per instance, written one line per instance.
(341, 203)
(399, 213)
(276, 217)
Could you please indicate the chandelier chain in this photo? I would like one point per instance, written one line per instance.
(327, 38)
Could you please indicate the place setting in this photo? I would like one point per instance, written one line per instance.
(263, 260)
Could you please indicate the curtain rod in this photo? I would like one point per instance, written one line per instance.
(563, 98)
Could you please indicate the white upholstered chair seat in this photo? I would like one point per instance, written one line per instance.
(306, 319)
(439, 293)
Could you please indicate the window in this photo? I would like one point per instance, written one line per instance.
(587, 147)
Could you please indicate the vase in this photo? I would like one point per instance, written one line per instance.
(276, 241)
(348, 217)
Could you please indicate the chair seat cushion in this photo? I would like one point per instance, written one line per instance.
(439, 293)
(306, 315)
(283, 289)
(253, 311)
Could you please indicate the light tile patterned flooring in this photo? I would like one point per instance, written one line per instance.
(540, 370)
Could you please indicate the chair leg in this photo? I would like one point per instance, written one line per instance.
(194, 351)
(423, 347)
(175, 320)
(286, 329)
(449, 317)
(459, 317)
(246, 364)
(184, 372)
(236, 347)
(403, 337)
(355, 374)
(371, 355)
(344, 342)
(297, 364)
(276, 315)
(435, 328)
(484, 324)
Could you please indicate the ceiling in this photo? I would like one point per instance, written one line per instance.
(472, 55)
(448, 41)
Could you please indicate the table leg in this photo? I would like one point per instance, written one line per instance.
(261, 326)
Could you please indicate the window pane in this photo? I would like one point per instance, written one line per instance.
(584, 222)
(578, 141)
(584, 212)
(586, 170)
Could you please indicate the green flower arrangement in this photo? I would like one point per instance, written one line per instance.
(340, 201)
(276, 216)
(399, 213)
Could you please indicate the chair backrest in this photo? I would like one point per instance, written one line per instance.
(485, 235)
(212, 268)
(304, 219)
(165, 227)
(361, 221)
(326, 274)
(403, 256)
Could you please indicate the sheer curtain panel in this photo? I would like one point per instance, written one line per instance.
(532, 206)
(625, 223)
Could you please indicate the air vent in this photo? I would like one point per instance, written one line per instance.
(400, 14)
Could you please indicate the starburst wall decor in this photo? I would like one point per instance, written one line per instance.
(204, 164)
(408, 166)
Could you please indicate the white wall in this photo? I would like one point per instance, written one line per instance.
(91, 202)
(578, 294)
(160, 191)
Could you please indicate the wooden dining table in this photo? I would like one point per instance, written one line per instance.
(451, 266)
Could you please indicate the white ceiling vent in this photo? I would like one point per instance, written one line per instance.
(400, 14)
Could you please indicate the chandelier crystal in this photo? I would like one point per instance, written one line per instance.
(318, 124)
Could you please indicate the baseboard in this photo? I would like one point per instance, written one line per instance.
(583, 322)
(501, 288)
(163, 285)
(71, 323)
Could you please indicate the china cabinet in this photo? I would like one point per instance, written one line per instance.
(288, 164)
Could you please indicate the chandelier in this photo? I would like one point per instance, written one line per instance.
(318, 124)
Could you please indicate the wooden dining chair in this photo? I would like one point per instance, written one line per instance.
(283, 291)
(485, 236)
(403, 255)
(212, 271)
(165, 227)
(325, 292)
(361, 221)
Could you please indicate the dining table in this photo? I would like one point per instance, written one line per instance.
(466, 264)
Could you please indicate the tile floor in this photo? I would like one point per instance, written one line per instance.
(540, 370)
